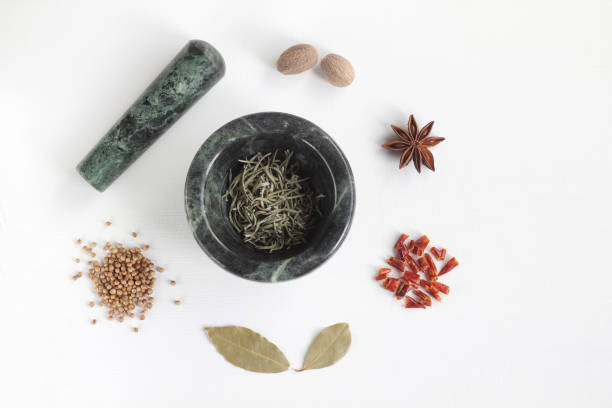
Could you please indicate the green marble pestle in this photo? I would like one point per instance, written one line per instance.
(195, 69)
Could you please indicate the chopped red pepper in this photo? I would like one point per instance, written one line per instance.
(410, 245)
(399, 245)
(390, 284)
(401, 290)
(413, 304)
(382, 273)
(417, 290)
(423, 264)
(424, 299)
(424, 283)
(422, 242)
(413, 285)
(436, 252)
(432, 271)
(450, 265)
(441, 287)
(396, 263)
(440, 254)
(429, 288)
(411, 263)
(411, 276)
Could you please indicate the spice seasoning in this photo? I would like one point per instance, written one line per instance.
(452, 263)
(124, 280)
(409, 284)
(382, 273)
(440, 254)
(270, 205)
(414, 144)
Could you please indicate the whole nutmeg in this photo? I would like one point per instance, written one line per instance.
(338, 70)
(299, 58)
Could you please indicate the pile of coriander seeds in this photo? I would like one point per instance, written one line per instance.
(124, 279)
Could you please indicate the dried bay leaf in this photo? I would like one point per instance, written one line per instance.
(247, 349)
(330, 345)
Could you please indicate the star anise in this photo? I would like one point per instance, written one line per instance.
(415, 145)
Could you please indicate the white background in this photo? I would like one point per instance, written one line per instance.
(522, 92)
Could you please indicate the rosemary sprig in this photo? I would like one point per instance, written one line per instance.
(270, 205)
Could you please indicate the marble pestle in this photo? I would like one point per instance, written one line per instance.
(194, 71)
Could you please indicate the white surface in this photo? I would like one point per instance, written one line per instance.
(522, 92)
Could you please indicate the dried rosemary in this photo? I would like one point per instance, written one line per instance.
(270, 205)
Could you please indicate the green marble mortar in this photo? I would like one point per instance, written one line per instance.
(320, 159)
(194, 70)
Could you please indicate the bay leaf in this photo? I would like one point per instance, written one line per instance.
(330, 345)
(247, 349)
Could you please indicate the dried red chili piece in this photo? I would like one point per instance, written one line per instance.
(401, 290)
(424, 283)
(440, 254)
(413, 304)
(430, 289)
(411, 263)
(436, 252)
(423, 264)
(433, 271)
(450, 265)
(399, 245)
(413, 285)
(390, 284)
(410, 246)
(441, 287)
(434, 292)
(417, 251)
(396, 263)
(425, 299)
(422, 242)
(382, 273)
(408, 260)
(411, 276)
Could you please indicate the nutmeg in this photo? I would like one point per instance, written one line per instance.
(296, 59)
(338, 70)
